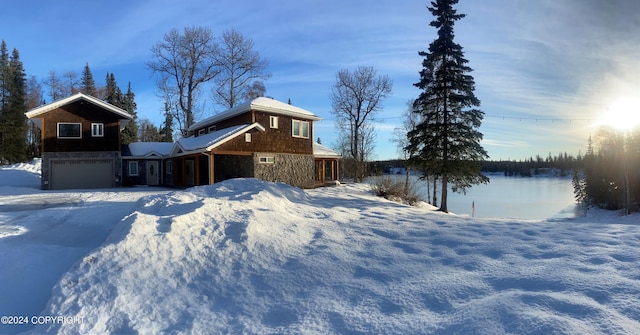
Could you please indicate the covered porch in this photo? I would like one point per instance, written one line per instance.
(326, 165)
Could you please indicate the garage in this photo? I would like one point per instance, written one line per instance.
(81, 173)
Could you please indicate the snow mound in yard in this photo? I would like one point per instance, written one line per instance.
(20, 175)
(247, 256)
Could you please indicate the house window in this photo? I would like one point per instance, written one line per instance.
(247, 137)
(201, 132)
(273, 122)
(97, 129)
(133, 168)
(212, 129)
(69, 130)
(267, 160)
(169, 167)
(300, 128)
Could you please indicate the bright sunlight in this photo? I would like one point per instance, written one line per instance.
(623, 114)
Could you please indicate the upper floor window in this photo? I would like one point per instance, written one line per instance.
(97, 129)
(300, 128)
(201, 132)
(69, 130)
(212, 128)
(273, 122)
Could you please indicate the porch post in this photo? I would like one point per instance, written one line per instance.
(211, 170)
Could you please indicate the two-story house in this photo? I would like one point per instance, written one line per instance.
(80, 142)
(262, 138)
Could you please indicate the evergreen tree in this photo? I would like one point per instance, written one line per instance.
(130, 132)
(166, 132)
(13, 122)
(87, 85)
(447, 141)
(148, 132)
(113, 94)
(4, 75)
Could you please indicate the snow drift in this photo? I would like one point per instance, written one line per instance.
(246, 256)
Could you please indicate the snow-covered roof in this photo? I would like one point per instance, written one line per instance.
(209, 141)
(78, 96)
(259, 104)
(150, 149)
(322, 151)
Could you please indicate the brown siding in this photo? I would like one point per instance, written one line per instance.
(237, 120)
(85, 113)
(277, 140)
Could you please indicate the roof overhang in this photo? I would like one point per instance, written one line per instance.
(213, 140)
(34, 113)
(260, 104)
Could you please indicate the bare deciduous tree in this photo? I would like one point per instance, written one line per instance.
(184, 61)
(239, 64)
(70, 83)
(54, 83)
(356, 98)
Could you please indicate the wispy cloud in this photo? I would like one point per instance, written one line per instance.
(532, 59)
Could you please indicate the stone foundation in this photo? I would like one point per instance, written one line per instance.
(293, 169)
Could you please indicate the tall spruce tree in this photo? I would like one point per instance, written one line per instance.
(130, 132)
(87, 84)
(13, 122)
(447, 141)
(166, 132)
(113, 94)
(4, 74)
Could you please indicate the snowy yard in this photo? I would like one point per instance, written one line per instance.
(246, 256)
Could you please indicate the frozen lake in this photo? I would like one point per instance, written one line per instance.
(531, 198)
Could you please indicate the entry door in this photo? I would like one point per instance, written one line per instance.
(190, 173)
(153, 175)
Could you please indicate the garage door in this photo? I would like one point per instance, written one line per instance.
(81, 173)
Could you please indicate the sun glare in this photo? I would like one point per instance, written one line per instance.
(623, 114)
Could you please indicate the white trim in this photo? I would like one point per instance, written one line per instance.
(266, 159)
(273, 122)
(78, 96)
(137, 168)
(68, 137)
(180, 149)
(260, 104)
(247, 137)
(99, 127)
(300, 127)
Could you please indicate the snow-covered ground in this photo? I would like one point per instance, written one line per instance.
(246, 256)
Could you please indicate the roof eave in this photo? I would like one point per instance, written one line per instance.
(231, 136)
(78, 96)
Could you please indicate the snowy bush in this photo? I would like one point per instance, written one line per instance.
(396, 190)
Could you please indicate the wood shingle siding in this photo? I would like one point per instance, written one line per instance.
(84, 113)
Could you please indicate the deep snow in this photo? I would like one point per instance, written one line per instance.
(247, 256)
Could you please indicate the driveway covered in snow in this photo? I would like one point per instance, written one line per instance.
(43, 233)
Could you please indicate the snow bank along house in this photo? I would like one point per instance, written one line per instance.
(262, 138)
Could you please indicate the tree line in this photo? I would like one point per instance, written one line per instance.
(610, 173)
(564, 163)
(231, 64)
(13, 102)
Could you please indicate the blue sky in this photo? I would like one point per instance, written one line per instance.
(534, 60)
